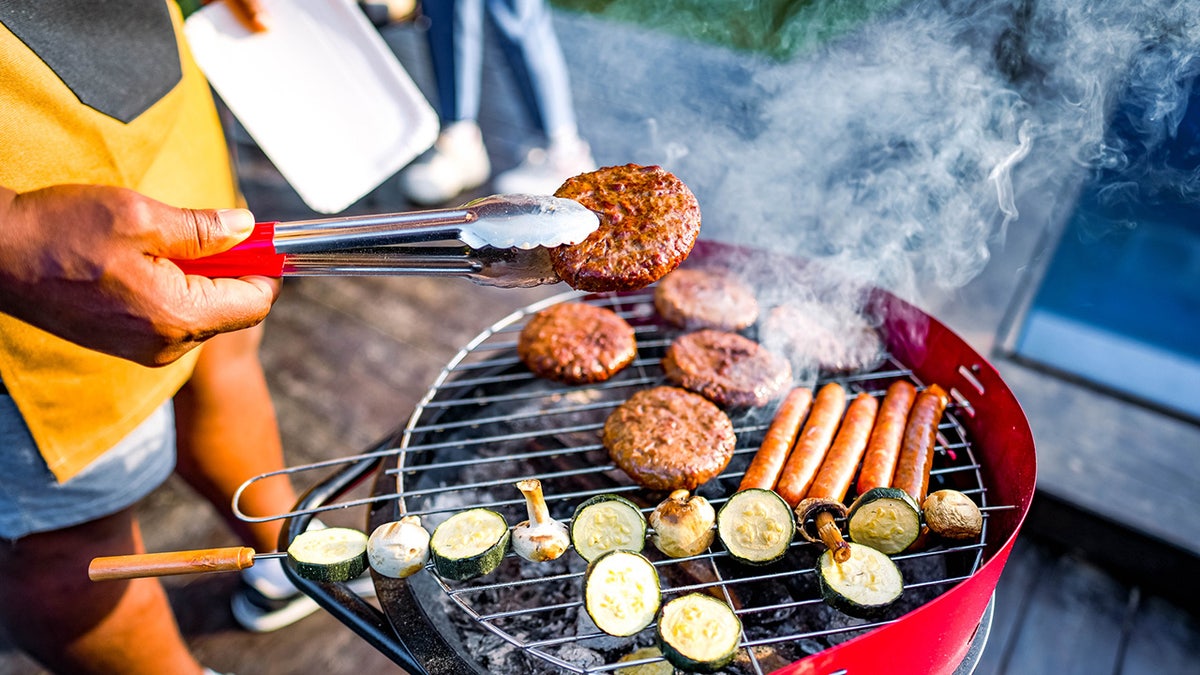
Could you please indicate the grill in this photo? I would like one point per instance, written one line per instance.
(487, 422)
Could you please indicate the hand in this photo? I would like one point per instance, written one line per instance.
(90, 265)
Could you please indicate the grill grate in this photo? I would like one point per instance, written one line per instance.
(487, 422)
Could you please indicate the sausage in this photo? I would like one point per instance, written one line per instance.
(879, 462)
(767, 464)
(804, 462)
(837, 471)
(920, 440)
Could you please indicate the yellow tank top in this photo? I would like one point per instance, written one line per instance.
(78, 402)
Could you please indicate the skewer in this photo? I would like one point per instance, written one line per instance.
(134, 566)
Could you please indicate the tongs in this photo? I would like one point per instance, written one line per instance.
(501, 240)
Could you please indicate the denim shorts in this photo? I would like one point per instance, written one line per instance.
(31, 498)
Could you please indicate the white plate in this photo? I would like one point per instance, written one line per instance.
(320, 92)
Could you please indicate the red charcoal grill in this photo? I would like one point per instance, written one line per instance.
(487, 422)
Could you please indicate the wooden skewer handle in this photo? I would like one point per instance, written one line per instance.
(175, 562)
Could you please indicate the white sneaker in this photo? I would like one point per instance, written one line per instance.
(545, 169)
(457, 162)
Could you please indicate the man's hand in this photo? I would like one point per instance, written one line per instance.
(90, 265)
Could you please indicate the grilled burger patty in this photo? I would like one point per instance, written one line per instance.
(694, 298)
(649, 221)
(730, 369)
(576, 343)
(667, 438)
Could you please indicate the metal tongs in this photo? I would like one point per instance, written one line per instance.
(502, 240)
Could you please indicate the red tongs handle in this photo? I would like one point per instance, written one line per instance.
(254, 256)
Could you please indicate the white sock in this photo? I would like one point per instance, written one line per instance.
(267, 576)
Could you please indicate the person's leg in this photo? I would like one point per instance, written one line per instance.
(527, 36)
(226, 433)
(71, 624)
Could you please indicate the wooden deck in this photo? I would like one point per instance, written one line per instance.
(348, 359)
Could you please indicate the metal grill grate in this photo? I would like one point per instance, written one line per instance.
(488, 422)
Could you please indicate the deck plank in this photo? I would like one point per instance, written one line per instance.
(1165, 640)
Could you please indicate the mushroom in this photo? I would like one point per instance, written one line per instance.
(952, 514)
(541, 538)
(683, 524)
(400, 548)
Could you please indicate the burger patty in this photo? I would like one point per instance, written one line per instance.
(730, 369)
(576, 343)
(693, 298)
(666, 438)
(817, 335)
(649, 221)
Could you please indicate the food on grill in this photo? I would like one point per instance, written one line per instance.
(621, 592)
(768, 462)
(659, 667)
(649, 222)
(863, 586)
(756, 526)
(329, 554)
(812, 444)
(667, 438)
(833, 338)
(879, 463)
(696, 298)
(953, 515)
(469, 544)
(730, 369)
(541, 538)
(683, 524)
(699, 633)
(884, 518)
(607, 523)
(818, 519)
(399, 549)
(837, 471)
(920, 439)
(576, 343)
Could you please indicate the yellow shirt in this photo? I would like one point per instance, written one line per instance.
(77, 402)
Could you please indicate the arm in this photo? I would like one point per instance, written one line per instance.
(90, 265)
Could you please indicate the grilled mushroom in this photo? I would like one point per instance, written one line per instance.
(541, 538)
(683, 524)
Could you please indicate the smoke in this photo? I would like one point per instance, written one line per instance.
(900, 153)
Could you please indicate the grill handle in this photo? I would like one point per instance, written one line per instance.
(336, 598)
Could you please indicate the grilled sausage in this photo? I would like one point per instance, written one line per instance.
(806, 458)
(920, 440)
(837, 471)
(879, 463)
(768, 462)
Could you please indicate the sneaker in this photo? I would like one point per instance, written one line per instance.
(457, 162)
(545, 169)
(262, 612)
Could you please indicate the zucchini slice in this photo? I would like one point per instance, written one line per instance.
(756, 526)
(469, 544)
(886, 519)
(863, 586)
(330, 554)
(659, 667)
(607, 523)
(699, 633)
(621, 592)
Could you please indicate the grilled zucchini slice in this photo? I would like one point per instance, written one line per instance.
(863, 586)
(469, 544)
(607, 523)
(329, 554)
(756, 526)
(886, 519)
(621, 592)
(698, 633)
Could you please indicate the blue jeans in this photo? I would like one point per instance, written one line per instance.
(526, 32)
